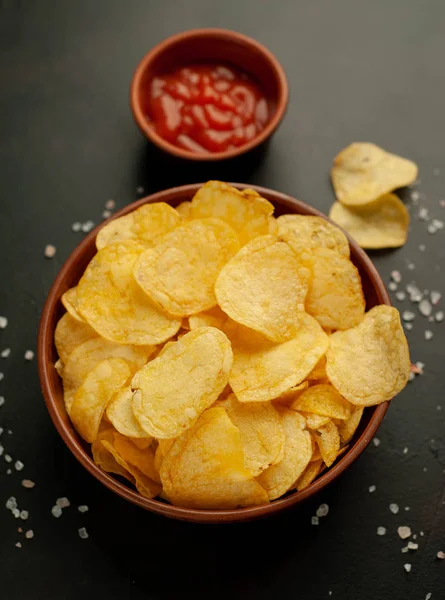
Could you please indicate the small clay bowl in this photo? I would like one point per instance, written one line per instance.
(375, 293)
(211, 45)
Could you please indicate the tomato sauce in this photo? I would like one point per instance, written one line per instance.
(206, 108)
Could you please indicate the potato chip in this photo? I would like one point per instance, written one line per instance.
(94, 394)
(103, 458)
(114, 305)
(347, 428)
(263, 370)
(142, 459)
(69, 334)
(69, 301)
(214, 317)
(161, 452)
(142, 443)
(264, 287)
(335, 296)
(370, 363)
(59, 366)
(205, 469)
(174, 389)
(382, 223)
(87, 355)
(312, 421)
(279, 478)
(261, 430)
(185, 209)
(363, 172)
(315, 449)
(328, 440)
(147, 223)
(144, 485)
(304, 232)
(246, 212)
(323, 400)
(121, 415)
(309, 474)
(290, 395)
(319, 371)
(179, 274)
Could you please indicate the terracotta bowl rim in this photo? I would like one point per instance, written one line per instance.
(224, 34)
(70, 437)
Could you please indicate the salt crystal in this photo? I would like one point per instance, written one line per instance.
(407, 567)
(392, 285)
(83, 508)
(29, 534)
(440, 555)
(5, 353)
(408, 315)
(56, 511)
(428, 596)
(394, 508)
(8, 458)
(24, 514)
(110, 204)
(50, 251)
(439, 316)
(19, 529)
(425, 469)
(407, 508)
(106, 214)
(408, 326)
(415, 295)
(3, 322)
(76, 226)
(438, 224)
(415, 196)
(376, 442)
(1, 450)
(27, 483)
(11, 503)
(404, 532)
(87, 226)
(423, 214)
(8, 471)
(422, 247)
(63, 502)
(411, 376)
(18, 544)
(140, 190)
(405, 450)
(428, 334)
(425, 307)
(2, 400)
(438, 407)
(412, 546)
(1, 430)
(322, 510)
(411, 266)
(372, 488)
(435, 296)
(314, 521)
(405, 549)
(18, 465)
(381, 530)
(16, 513)
(83, 534)
(396, 276)
(421, 534)
(431, 228)
(29, 355)
(400, 296)
(420, 366)
(2, 376)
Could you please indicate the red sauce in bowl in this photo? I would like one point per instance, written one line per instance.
(206, 108)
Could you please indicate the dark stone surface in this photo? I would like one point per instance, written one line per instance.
(358, 71)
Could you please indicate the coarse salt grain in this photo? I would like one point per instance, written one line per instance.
(423, 214)
(140, 190)
(392, 285)
(372, 488)
(428, 334)
(322, 510)
(394, 508)
(87, 226)
(29, 355)
(439, 316)
(407, 567)
(2, 376)
(83, 534)
(396, 276)
(3, 322)
(407, 508)
(63, 502)
(376, 442)
(8, 471)
(415, 196)
(400, 296)
(381, 530)
(425, 307)
(18, 465)
(29, 534)
(5, 353)
(408, 315)
(50, 251)
(77, 226)
(56, 511)
(408, 326)
(405, 450)
(18, 544)
(8, 458)
(24, 514)
(412, 546)
(422, 247)
(83, 508)
(438, 224)
(27, 483)
(2, 400)
(428, 596)
(11, 503)
(435, 297)
(315, 520)
(106, 214)
(411, 266)
(110, 204)
(404, 532)
(440, 555)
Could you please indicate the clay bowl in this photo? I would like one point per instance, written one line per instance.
(51, 384)
(211, 45)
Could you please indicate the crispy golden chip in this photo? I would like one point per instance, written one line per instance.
(328, 440)
(142, 443)
(94, 394)
(179, 274)
(304, 232)
(69, 301)
(335, 296)
(309, 474)
(261, 430)
(347, 428)
(147, 223)
(264, 287)
(246, 212)
(161, 452)
(204, 468)
(87, 355)
(103, 458)
(142, 459)
(363, 172)
(185, 209)
(313, 421)
(382, 223)
(370, 363)
(144, 485)
(214, 317)
(292, 394)
(263, 370)
(319, 371)
(114, 305)
(69, 334)
(121, 415)
(174, 389)
(279, 478)
(323, 400)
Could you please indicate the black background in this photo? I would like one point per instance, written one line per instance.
(358, 70)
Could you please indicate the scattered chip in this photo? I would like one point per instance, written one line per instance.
(263, 370)
(179, 274)
(264, 287)
(379, 224)
(323, 400)
(69, 301)
(335, 296)
(370, 363)
(304, 232)
(69, 334)
(114, 305)
(172, 390)
(248, 213)
(280, 478)
(261, 430)
(328, 440)
(121, 415)
(363, 172)
(191, 472)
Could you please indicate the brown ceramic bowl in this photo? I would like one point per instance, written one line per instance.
(375, 293)
(211, 45)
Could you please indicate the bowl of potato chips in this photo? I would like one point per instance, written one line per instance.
(218, 353)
